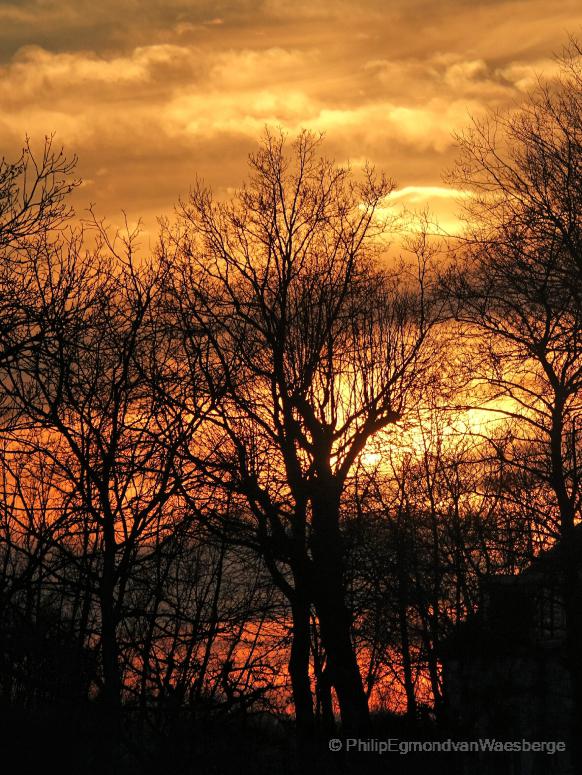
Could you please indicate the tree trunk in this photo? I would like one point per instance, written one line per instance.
(334, 617)
(111, 695)
(324, 707)
(406, 659)
(326, 718)
(343, 667)
(299, 666)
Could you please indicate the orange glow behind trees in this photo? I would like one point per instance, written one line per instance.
(266, 469)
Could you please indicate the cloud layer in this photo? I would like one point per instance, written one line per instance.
(150, 94)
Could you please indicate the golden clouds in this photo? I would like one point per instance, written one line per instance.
(36, 76)
(150, 94)
(420, 194)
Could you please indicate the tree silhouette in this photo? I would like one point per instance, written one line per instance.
(518, 292)
(314, 348)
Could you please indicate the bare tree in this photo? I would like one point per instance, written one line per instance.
(518, 291)
(33, 208)
(88, 391)
(314, 349)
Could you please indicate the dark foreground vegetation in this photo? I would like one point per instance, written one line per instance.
(253, 483)
(67, 738)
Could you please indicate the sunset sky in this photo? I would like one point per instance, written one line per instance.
(150, 94)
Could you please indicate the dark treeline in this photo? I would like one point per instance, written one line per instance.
(255, 479)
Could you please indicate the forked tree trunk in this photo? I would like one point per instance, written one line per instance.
(344, 671)
(334, 617)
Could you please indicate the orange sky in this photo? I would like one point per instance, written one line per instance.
(151, 93)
